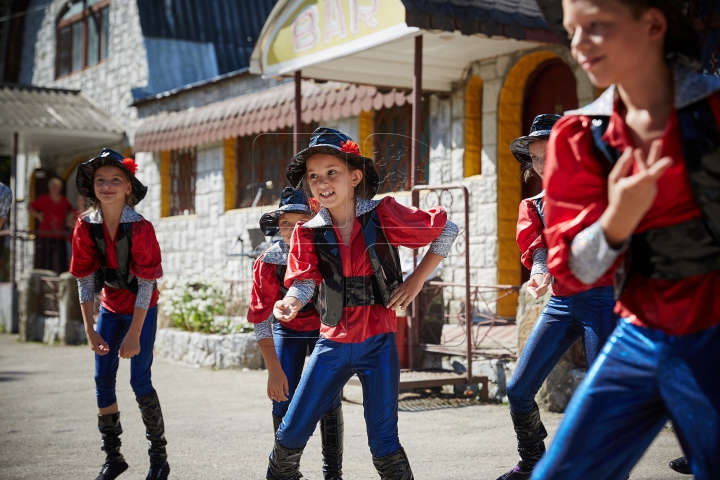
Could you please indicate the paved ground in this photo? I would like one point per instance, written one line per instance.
(219, 427)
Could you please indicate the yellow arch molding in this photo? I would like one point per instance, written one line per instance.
(473, 126)
(509, 120)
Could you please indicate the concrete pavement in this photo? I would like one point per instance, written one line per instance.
(218, 426)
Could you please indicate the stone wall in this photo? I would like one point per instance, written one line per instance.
(109, 83)
(238, 350)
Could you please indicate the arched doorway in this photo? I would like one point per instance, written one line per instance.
(550, 88)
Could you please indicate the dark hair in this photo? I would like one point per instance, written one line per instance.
(681, 39)
(361, 188)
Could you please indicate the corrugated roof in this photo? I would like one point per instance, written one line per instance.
(519, 19)
(232, 26)
(265, 111)
(26, 107)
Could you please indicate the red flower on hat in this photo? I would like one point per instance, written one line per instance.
(130, 165)
(350, 147)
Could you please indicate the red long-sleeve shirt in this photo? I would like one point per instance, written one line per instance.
(576, 187)
(146, 261)
(266, 291)
(402, 226)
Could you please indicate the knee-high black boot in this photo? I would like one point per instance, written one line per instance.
(394, 466)
(110, 429)
(155, 433)
(530, 433)
(276, 423)
(681, 465)
(284, 463)
(332, 432)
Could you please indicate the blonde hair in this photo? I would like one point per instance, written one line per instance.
(56, 181)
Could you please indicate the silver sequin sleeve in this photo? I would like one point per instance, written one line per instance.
(591, 256)
(144, 295)
(442, 244)
(264, 329)
(86, 288)
(303, 290)
(539, 262)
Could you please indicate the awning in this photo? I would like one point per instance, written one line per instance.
(264, 111)
(372, 41)
(51, 120)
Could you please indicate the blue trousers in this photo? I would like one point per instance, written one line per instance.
(112, 327)
(376, 363)
(641, 379)
(587, 315)
(291, 347)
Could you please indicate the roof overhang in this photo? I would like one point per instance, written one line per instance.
(53, 121)
(372, 41)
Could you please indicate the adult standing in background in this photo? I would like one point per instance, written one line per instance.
(51, 210)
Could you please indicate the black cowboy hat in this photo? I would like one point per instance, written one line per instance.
(540, 130)
(107, 157)
(291, 201)
(333, 142)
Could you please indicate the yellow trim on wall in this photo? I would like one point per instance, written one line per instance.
(473, 126)
(165, 183)
(71, 167)
(510, 110)
(365, 131)
(230, 171)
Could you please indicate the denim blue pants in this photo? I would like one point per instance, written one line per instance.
(291, 347)
(642, 378)
(112, 327)
(587, 315)
(376, 363)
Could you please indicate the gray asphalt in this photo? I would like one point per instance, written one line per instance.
(218, 426)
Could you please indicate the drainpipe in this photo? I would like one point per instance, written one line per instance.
(13, 248)
(414, 325)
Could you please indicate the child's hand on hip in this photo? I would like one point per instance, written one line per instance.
(406, 292)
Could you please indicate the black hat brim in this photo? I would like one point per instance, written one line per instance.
(520, 150)
(86, 174)
(295, 171)
(269, 221)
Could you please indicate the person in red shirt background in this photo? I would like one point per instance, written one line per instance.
(349, 251)
(632, 190)
(571, 313)
(51, 210)
(285, 345)
(116, 253)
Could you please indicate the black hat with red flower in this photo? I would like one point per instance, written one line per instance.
(109, 158)
(333, 142)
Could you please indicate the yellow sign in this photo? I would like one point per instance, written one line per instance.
(307, 32)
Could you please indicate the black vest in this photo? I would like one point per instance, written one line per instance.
(280, 274)
(688, 248)
(119, 277)
(337, 291)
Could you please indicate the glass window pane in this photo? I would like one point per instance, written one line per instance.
(63, 51)
(92, 40)
(77, 46)
(105, 30)
(75, 9)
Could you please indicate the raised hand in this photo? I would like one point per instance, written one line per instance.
(631, 196)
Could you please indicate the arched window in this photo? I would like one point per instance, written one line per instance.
(82, 35)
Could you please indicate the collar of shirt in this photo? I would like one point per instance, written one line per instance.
(128, 215)
(322, 219)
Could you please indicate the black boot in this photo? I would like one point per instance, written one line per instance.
(681, 465)
(284, 463)
(530, 433)
(155, 433)
(110, 429)
(332, 428)
(276, 423)
(394, 466)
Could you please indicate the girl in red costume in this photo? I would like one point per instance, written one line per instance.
(115, 253)
(633, 189)
(285, 345)
(349, 250)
